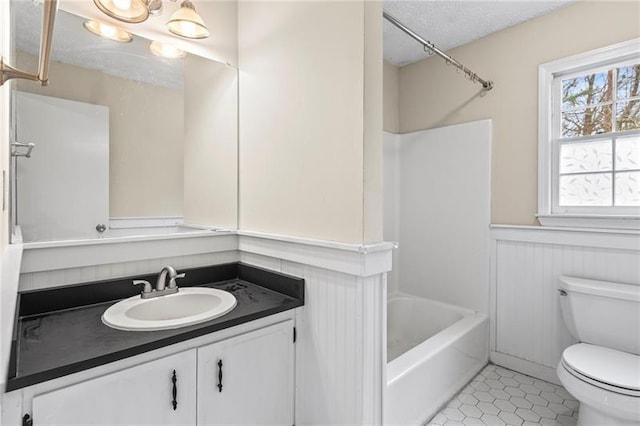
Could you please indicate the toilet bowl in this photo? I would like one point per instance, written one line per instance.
(602, 371)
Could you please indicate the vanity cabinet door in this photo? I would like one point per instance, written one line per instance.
(141, 395)
(248, 379)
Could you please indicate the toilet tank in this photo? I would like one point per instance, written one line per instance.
(602, 313)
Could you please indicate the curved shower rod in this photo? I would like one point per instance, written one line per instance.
(7, 72)
(431, 49)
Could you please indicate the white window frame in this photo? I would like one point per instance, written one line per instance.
(548, 160)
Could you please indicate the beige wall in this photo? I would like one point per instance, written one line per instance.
(391, 87)
(373, 113)
(302, 113)
(146, 135)
(210, 143)
(221, 18)
(433, 95)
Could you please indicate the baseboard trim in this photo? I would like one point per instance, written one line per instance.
(525, 367)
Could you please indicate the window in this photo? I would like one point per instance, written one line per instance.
(589, 139)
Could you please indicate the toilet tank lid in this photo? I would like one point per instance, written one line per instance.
(600, 288)
(609, 366)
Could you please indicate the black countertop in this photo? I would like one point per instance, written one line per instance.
(59, 331)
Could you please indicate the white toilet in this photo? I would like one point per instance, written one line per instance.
(602, 371)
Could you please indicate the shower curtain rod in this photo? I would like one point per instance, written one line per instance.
(431, 49)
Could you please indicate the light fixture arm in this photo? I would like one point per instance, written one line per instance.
(7, 72)
(188, 4)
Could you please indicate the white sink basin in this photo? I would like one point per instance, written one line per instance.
(191, 305)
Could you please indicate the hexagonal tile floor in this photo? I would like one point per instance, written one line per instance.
(497, 396)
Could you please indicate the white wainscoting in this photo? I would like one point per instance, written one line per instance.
(341, 351)
(67, 276)
(55, 264)
(352, 259)
(527, 330)
(46, 256)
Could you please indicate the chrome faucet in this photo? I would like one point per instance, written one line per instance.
(161, 284)
(162, 289)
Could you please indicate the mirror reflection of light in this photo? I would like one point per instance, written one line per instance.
(166, 50)
(122, 4)
(108, 31)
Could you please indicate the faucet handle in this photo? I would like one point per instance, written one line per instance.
(172, 281)
(146, 286)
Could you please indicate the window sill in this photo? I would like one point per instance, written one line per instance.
(589, 221)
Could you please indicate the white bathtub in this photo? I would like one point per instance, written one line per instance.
(433, 350)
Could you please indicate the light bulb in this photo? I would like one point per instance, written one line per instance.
(130, 11)
(122, 4)
(188, 27)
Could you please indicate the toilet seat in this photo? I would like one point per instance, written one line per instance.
(614, 408)
(605, 368)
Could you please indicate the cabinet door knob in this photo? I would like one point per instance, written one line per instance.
(174, 381)
(219, 375)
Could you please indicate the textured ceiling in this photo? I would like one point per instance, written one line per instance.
(445, 23)
(448, 24)
(74, 45)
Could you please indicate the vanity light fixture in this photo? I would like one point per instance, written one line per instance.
(108, 31)
(185, 22)
(166, 50)
(130, 11)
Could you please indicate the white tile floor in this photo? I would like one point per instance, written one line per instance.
(497, 396)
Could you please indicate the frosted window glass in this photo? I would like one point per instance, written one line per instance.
(585, 157)
(628, 189)
(628, 154)
(586, 190)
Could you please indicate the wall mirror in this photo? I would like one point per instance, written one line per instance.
(122, 142)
